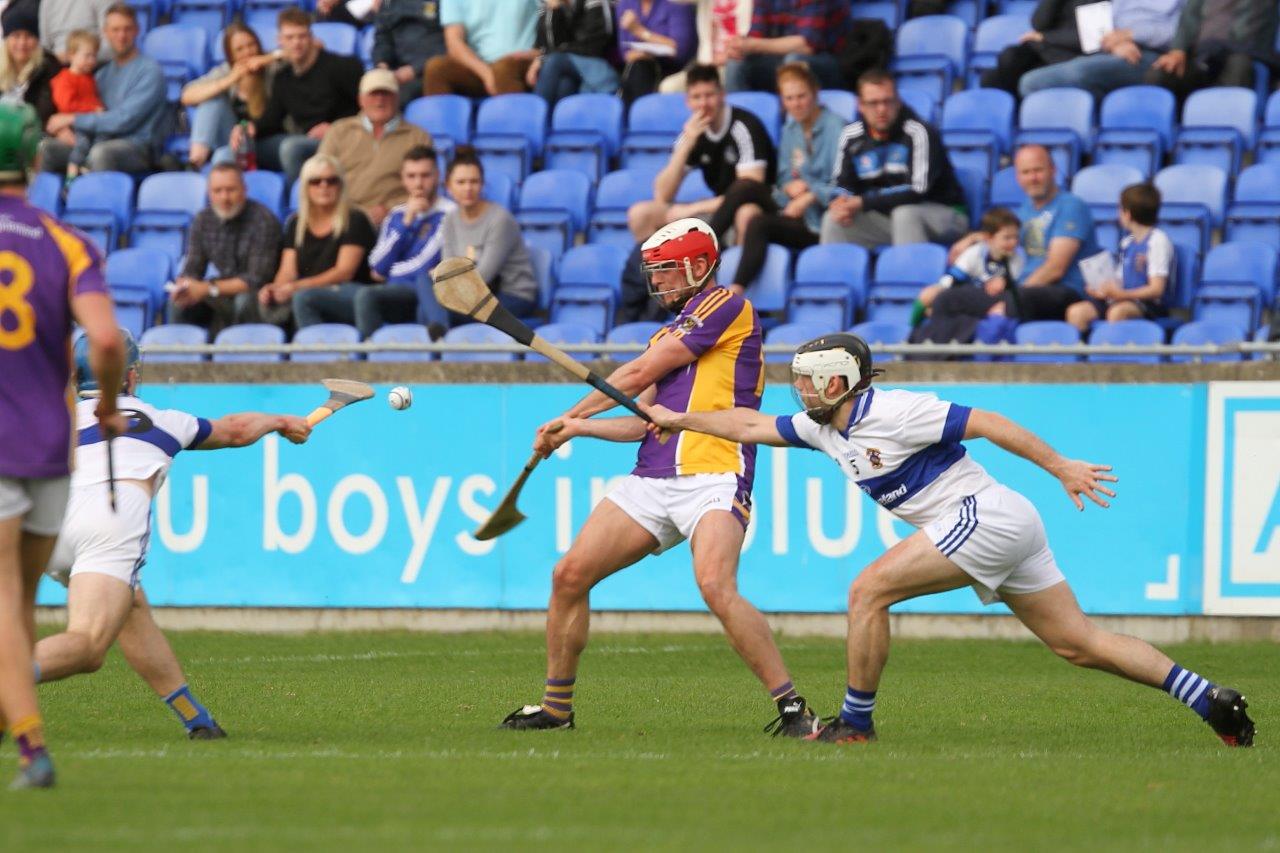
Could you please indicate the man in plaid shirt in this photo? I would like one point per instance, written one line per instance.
(782, 31)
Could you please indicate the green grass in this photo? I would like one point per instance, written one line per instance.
(369, 741)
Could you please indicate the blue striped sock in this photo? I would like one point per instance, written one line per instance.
(188, 708)
(1190, 689)
(858, 707)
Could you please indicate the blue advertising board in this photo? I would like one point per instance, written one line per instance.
(376, 510)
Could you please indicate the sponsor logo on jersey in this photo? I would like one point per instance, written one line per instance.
(890, 497)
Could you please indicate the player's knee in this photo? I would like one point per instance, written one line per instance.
(744, 216)
(1081, 315)
(717, 592)
(571, 577)
(1075, 650)
(865, 594)
(640, 217)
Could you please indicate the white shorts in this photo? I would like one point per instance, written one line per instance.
(997, 538)
(671, 507)
(98, 541)
(41, 503)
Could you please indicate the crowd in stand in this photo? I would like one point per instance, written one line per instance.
(377, 205)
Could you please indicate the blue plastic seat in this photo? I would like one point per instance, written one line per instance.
(1005, 191)
(831, 272)
(931, 52)
(45, 192)
(693, 187)
(614, 196)
(1060, 119)
(1193, 202)
(653, 123)
(969, 11)
(1254, 215)
(840, 101)
(882, 333)
(568, 333)
(263, 22)
(499, 188)
(336, 37)
(1201, 332)
(1218, 126)
(147, 11)
(266, 188)
(586, 133)
(1237, 283)
(631, 333)
(446, 117)
(977, 128)
(974, 185)
(476, 333)
(364, 45)
(247, 334)
(1139, 332)
(101, 205)
(557, 201)
(764, 106)
(889, 11)
(174, 334)
(510, 133)
(1024, 8)
(167, 201)
(993, 35)
(400, 333)
(589, 306)
(593, 265)
(922, 102)
(1268, 148)
(208, 16)
(794, 334)
(900, 273)
(1099, 187)
(543, 264)
(143, 272)
(1135, 128)
(182, 51)
(326, 333)
(769, 291)
(1186, 275)
(1046, 332)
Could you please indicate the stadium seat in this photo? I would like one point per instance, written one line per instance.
(208, 16)
(1141, 332)
(1046, 332)
(499, 188)
(1193, 202)
(1254, 215)
(446, 117)
(173, 334)
(326, 333)
(1186, 274)
(182, 51)
(631, 333)
(1200, 332)
(589, 306)
(653, 123)
(974, 185)
(586, 133)
(764, 106)
(45, 192)
(930, 52)
(1060, 119)
(1237, 283)
(263, 22)
(923, 103)
(900, 273)
(336, 37)
(364, 45)
(147, 12)
(266, 188)
(593, 265)
(1262, 336)
(1268, 148)
(247, 334)
(1005, 191)
(510, 133)
(793, 335)
(969, 11)
(555, 202)
(1025, 8)
(841, 102)
(101, 205)
(1218, 126)
(889, 11)
(1100, 187)
(693, 187)
(476, 333)
(614, 196)
(768, 292)
(993, 35)
(883, 333)
(568, 333)
(832, 271)
(167, 201)
(400, 333)
(1135, 128)
(143, 272)
(977, 128)
(543, 271)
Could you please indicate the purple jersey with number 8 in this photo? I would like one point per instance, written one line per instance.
(43, 266)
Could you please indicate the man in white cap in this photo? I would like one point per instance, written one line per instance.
(371, 145)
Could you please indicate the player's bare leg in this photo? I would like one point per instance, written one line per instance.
(1055, 617)
(97, 606)
(18, 705)
(609, 542)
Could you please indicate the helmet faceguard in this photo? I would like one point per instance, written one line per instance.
(675, 248)
(818, 362)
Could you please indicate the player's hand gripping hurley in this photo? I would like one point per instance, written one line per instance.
(342, 393)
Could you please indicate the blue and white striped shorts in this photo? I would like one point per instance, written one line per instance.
(997, 538)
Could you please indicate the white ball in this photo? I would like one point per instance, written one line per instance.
(400, 397)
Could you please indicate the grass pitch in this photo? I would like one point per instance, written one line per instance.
(387, 741)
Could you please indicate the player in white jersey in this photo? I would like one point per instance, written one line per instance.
(904, 450)
(99, 554)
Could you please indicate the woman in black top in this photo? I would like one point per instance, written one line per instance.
(25, 69)
(326, 257)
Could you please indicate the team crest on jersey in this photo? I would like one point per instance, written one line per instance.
(873, 455)
(688, 324)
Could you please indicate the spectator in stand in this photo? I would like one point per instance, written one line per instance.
(75, 92)
(1146, 264)
(487, 234)
(656, 39)
(1052, 38)
(128, 135)
(894, 183)
(792, 213)
(313, 89)
(727, 143)
(233, 249)
(337, 12)
(783, 31)
(1143, 28)
(717, 21)
(489, 48)
(1215, 44)
(371, 145)
(573, 39)
(229, 93)
(408, 248)
(26, 70)
(60, 18)
(325, 261)
(407, 33)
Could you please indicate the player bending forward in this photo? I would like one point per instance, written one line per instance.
(99, 553)
(903, 449)
(699, 487)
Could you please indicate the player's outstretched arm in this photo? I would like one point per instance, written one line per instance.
(637, 375)
(246, 428)
(1079, 478)
(746, 426)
